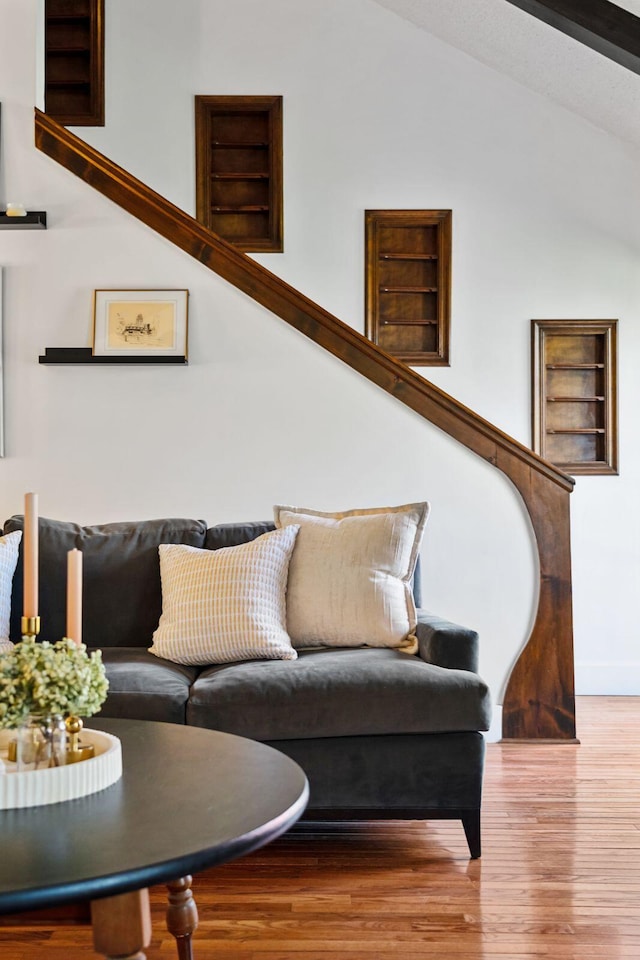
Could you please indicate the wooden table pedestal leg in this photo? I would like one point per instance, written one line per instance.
(122, 925)
(182, 915)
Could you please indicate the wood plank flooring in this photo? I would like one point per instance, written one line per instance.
(559, 877)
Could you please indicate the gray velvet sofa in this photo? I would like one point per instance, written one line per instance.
(379, 733)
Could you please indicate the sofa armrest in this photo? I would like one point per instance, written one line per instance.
(446, 644)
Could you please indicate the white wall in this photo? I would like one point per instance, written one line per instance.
(380, 114)
(545, 225)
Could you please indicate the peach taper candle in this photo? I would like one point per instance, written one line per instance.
(74, 596)
(30, 553)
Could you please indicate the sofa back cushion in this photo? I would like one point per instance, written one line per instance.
(232, 534)
(122, 597)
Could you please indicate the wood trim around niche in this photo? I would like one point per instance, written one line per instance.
(239, 170)
(74, 61)
(408, 284)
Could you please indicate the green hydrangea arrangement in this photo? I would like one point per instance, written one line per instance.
(49, 678)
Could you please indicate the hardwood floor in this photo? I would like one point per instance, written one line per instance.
(559, 876)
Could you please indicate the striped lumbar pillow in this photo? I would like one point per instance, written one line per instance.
(8, 559)
(219, 606)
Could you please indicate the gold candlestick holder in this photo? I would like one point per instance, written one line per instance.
(77, 751)
(30, 627)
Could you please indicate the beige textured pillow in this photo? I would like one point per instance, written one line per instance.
(9, 545)
(350, 576)
(223, 605)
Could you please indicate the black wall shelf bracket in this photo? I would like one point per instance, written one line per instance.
(60, 355)
(34, 220)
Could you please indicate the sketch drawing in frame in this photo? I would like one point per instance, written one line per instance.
(140, 323)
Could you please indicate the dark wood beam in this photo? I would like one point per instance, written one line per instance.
(598, 24)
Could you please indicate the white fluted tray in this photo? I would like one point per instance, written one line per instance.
(34, 788)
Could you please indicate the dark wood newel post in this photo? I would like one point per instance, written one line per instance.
(539, 700)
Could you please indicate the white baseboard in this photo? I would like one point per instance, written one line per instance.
(608, 679)
(494, 733)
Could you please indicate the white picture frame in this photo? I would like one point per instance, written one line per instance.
(140, 323)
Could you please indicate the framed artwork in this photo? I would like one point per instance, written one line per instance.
(140, 323)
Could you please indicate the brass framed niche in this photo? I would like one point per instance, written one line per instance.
(74, 61)
(575, 419)
(408, 284)
(239, 170)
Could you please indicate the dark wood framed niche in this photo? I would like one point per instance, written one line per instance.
(575, 421)
(74, 61)
(239, 170)
(408, 283)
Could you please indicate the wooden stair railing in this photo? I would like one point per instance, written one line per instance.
(539, 699)
(611, 30)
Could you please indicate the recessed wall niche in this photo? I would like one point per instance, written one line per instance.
(74, 61)
(239, 170)
(574, 394)
(408, 283)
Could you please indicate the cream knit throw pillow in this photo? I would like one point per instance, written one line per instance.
(350, 576)
(223, 605)
(8, 559)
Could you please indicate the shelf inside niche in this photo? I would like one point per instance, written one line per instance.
(408, 323)
(67, 355)
(408, 256)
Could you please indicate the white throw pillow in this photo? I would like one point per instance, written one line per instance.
(350, 576)
(219, 606)
(8, 559)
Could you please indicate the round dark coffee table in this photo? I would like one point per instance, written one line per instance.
(188, 799)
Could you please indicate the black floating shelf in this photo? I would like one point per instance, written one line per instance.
(85, 355)
(34, 220)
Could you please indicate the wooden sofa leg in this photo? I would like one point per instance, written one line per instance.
(471, 824)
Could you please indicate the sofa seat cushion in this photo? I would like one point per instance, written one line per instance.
(144, 687)
(338, 693)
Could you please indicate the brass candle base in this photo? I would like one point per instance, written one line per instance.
(30, 626)
(84, 751)
(77, 751)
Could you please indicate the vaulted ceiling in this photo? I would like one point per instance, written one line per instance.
(536, 55)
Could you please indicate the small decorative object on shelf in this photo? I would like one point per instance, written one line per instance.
(15, 210)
